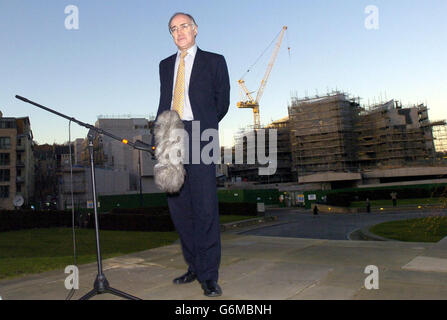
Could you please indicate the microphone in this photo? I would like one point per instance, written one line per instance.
(169, 173)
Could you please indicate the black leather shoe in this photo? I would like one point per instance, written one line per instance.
(186, 278)
(211, 288)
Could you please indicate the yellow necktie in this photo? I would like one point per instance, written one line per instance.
(179, 91)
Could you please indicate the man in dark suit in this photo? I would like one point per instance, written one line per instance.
(195, 83)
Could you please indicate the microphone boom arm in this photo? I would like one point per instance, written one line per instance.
(140, 145)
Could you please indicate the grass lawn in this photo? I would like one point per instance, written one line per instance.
(429, 229)
(38, 250)
(389, 203)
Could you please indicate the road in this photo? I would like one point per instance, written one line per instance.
(300, 223)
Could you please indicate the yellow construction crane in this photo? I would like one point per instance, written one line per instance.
(254, 103)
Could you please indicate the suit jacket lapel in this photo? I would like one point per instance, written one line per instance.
(197, 67)
(170, 72)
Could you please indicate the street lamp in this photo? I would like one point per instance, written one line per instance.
(139, 172)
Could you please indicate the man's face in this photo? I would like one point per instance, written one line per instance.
(183, 38)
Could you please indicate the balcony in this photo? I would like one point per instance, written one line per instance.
(20, 164)
(5, 146)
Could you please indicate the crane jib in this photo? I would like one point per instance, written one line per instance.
(254, 103)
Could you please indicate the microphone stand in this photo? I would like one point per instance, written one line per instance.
(101, 285)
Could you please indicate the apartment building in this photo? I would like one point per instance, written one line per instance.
(16, 161)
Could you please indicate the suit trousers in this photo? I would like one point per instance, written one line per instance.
(195, 213)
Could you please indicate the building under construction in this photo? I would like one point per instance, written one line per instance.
(332, 139)
(322, 134)
(246, 144)
(334, 135)
(284, 171)
(391, 136)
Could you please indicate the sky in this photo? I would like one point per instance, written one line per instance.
(109, 65)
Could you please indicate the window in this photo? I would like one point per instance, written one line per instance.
(5, 143)
(4, 191)
(4, 175)
(7, 124)
(4, 159)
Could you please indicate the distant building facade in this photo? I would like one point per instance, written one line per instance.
(112, 154)
(59, 185)
(16, 161)
(45, 179)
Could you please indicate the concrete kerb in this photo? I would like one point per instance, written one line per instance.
(246, 223)
(365, 234)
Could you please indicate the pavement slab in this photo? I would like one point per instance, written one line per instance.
(403, 291)
(324, 292)
(422, 263)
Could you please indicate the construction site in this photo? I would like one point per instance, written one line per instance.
(322, 134)
(247, 141)
(332, 141)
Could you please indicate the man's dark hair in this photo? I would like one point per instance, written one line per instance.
(181, 13)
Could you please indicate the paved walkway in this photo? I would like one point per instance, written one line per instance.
(258, 268)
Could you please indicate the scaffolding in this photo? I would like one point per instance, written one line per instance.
(248, 170)
(334, 133)
(321, 133)
(391, 136)
(440, 138)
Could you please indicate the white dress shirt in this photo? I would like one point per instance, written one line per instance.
(189, 61)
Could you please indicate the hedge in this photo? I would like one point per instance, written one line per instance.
(246, 209)
(138, 219)
(134, 222)
(344, 198)
(18, 220)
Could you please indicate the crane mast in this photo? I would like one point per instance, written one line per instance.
(254, 103)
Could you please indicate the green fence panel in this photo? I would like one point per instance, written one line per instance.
(431, 190)
(107, 203)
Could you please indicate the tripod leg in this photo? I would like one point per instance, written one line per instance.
(121, 294)
(101, 284)
(70, 295)
(90, 294)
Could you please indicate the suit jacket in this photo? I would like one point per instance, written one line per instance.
(209, 87)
